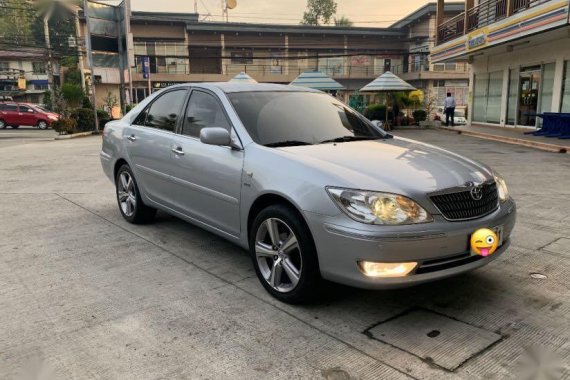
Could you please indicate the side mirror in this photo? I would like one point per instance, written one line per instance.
(215, 136)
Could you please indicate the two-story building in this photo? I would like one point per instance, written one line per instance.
(519, 51)
(179, 48)
(23, 74)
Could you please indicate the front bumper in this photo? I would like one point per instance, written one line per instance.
(342, 242)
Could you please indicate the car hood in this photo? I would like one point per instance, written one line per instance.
(393, 165)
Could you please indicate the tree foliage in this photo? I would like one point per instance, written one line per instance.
(342, 21)
(319, 12)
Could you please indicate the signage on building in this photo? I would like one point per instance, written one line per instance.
(164, 84)
(360, 60)
(146, 67)
(21, 83)
(476, 41)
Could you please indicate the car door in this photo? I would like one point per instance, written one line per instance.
(26, 115)
(10, 114)
(207, 177)
(149, 141)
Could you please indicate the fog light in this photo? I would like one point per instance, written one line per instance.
(372, 269)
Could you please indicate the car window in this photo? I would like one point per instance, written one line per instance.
(26, 109)
(203, 110)
(9, 107)
(304, 117)
(164, 112)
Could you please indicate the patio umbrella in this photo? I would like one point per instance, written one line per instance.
(243, 78)
(387, 83)
(317, 81)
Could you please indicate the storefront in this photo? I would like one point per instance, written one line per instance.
(511, 88)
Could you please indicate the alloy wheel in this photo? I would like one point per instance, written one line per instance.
(127, 194)
(278, 255)
(2, 124)
(42, 125)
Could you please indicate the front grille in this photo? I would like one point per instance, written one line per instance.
(460, 205)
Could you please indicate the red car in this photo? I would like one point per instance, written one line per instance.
(16, 114)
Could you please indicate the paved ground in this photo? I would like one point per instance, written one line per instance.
(89, 296)
(24, 135)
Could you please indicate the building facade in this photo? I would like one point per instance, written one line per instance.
(519, 51)
(23, 75)
(179, 48)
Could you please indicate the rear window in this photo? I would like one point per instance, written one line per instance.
(8, 107)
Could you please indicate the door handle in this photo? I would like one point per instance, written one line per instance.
(178, 151)
(132, 138)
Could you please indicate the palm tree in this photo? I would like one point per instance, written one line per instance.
(342, 21)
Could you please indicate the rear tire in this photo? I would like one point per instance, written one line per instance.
(129, 199)
(15, 126)
(284, 255)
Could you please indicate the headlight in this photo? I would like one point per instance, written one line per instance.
(502, 188)
(379, 208)
(51, 117)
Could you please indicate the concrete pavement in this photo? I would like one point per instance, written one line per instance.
(96, 298)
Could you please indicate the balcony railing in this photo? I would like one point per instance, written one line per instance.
(451, 29)
(484, 14)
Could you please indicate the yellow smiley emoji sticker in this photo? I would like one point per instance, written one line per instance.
(484, 242)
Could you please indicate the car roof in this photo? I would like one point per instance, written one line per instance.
(231, 87)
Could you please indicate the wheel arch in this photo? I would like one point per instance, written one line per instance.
(120, 162)
(269, 199)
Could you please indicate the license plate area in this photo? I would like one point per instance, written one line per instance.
(498, 230)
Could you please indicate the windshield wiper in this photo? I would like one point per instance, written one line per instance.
(355, 138)
(287, 143)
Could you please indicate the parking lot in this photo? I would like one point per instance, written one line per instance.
(86, 295)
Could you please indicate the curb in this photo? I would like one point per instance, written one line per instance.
(512, 140)
(75, 135)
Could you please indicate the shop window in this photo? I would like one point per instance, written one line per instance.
(480, 88)
(495, 93)
(513, 96)
(546, 89)
(4, 66)
(566, 89)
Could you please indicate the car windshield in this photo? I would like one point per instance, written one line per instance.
(40, 108)
(300, 118)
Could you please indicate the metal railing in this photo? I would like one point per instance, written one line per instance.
(521, 5)
(451, 29)
(486, 13)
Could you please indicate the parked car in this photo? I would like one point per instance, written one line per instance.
(309, 186)
(459, 116)
(16, 114)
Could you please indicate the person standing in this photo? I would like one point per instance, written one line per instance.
(449, 109)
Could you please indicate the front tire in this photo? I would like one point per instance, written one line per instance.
(129, 199)
(3, 124)
(42, 125)
(284, 255)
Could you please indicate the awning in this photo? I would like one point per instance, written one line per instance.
(243, 78)
(387, 82)
(317, 81)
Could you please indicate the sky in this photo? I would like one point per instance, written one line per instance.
(373, 13)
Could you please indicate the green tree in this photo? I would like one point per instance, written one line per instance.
(319, 12)
(342, 21)
(17, 20)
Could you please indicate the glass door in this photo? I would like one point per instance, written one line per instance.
(528, 95)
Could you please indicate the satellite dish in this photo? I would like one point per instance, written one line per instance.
(231, 4)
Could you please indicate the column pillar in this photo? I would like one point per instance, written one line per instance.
(504, 97)
(469, 4)
(439, 19)
(557, 88)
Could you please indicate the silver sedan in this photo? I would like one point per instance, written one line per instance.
(310, 187)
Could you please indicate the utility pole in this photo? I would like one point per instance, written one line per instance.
(130, 48)
(90, 59)
(49, 51)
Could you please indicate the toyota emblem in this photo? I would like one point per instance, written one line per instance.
(477, 192)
